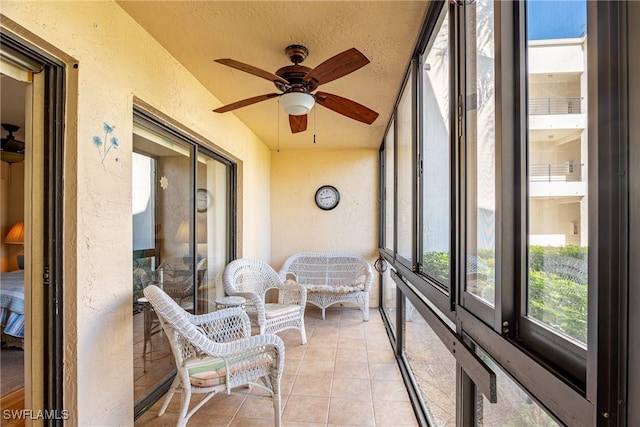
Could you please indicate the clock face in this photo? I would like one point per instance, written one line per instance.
(203, 200)
(327, 197)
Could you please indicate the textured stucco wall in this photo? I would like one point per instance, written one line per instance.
(297, 224)
(120, 63)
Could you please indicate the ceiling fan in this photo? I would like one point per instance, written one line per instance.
(297, 82)
(12, 149)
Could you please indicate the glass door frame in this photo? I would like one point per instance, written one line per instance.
(151, 118)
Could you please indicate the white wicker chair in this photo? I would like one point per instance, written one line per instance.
(252, 278)
(216, 352)
(175, 275)
(332, 278)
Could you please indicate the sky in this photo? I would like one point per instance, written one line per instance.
(558, 19)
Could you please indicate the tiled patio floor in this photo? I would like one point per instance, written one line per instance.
(346, 375)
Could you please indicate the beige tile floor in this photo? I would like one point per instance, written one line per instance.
(346, 375)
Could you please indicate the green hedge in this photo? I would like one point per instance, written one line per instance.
(436, 264)
(559, 303)
(553, 299)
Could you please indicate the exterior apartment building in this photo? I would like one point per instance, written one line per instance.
(558, 142)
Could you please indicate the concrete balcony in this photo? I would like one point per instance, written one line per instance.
(556, 113)
(557, 189)
(557, 121)
(555, 106)
(556, 180)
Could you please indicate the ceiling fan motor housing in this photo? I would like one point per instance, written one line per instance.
(296, 53)
(294, 74)
(11, 150)
(10, 143)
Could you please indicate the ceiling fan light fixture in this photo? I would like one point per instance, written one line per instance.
(297, 103)
(10, 157)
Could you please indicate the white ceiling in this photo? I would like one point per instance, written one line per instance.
(256, 33)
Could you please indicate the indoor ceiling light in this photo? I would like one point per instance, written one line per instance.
(10, 157)
(297, 103)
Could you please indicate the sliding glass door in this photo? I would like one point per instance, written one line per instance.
(182, 234)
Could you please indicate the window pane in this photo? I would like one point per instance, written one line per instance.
(480, 150)
(143, 202)
(161, 180)
(435, 156)
(389, 191)
(433, 367)
(212, 230)
(405, 173)
(557, 166)
(514, 406)
(389, 289)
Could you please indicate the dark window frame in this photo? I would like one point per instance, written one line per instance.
(575, 388)
(434, 20)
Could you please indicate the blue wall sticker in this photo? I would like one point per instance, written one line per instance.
(104, 145)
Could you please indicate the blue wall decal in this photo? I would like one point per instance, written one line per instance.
(105, 145)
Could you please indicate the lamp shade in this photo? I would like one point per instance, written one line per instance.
(15, 236)
(182, 235)
(297, 103)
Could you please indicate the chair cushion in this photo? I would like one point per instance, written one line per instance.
(344, 289)
(207, 372)
(276, 310)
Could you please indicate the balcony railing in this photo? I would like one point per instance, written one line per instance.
(548, 106)
(559, 172)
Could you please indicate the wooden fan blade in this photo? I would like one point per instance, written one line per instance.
(245, 102)
(336, 67)
(298, 123)
(251, 70)
(346, 107)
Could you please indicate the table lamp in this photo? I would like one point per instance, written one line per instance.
(15, 236)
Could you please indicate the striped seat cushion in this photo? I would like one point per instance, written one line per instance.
(211, 371)
(207, 372)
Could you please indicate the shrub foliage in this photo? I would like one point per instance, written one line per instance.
(555, 298)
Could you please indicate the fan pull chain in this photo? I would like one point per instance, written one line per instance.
(314, 124)
(278, 114)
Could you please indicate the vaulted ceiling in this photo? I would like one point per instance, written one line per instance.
(257, 33)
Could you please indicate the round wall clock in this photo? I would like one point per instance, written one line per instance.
(327, 197)
(203, 200)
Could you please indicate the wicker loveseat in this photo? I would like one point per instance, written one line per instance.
(331, 278)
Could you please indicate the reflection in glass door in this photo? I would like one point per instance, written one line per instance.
(480, 150)
(181, 198)
(213, 177)
(161, 169)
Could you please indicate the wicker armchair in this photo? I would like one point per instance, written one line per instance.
(176, 277)
(216, 352)
(251, 278)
